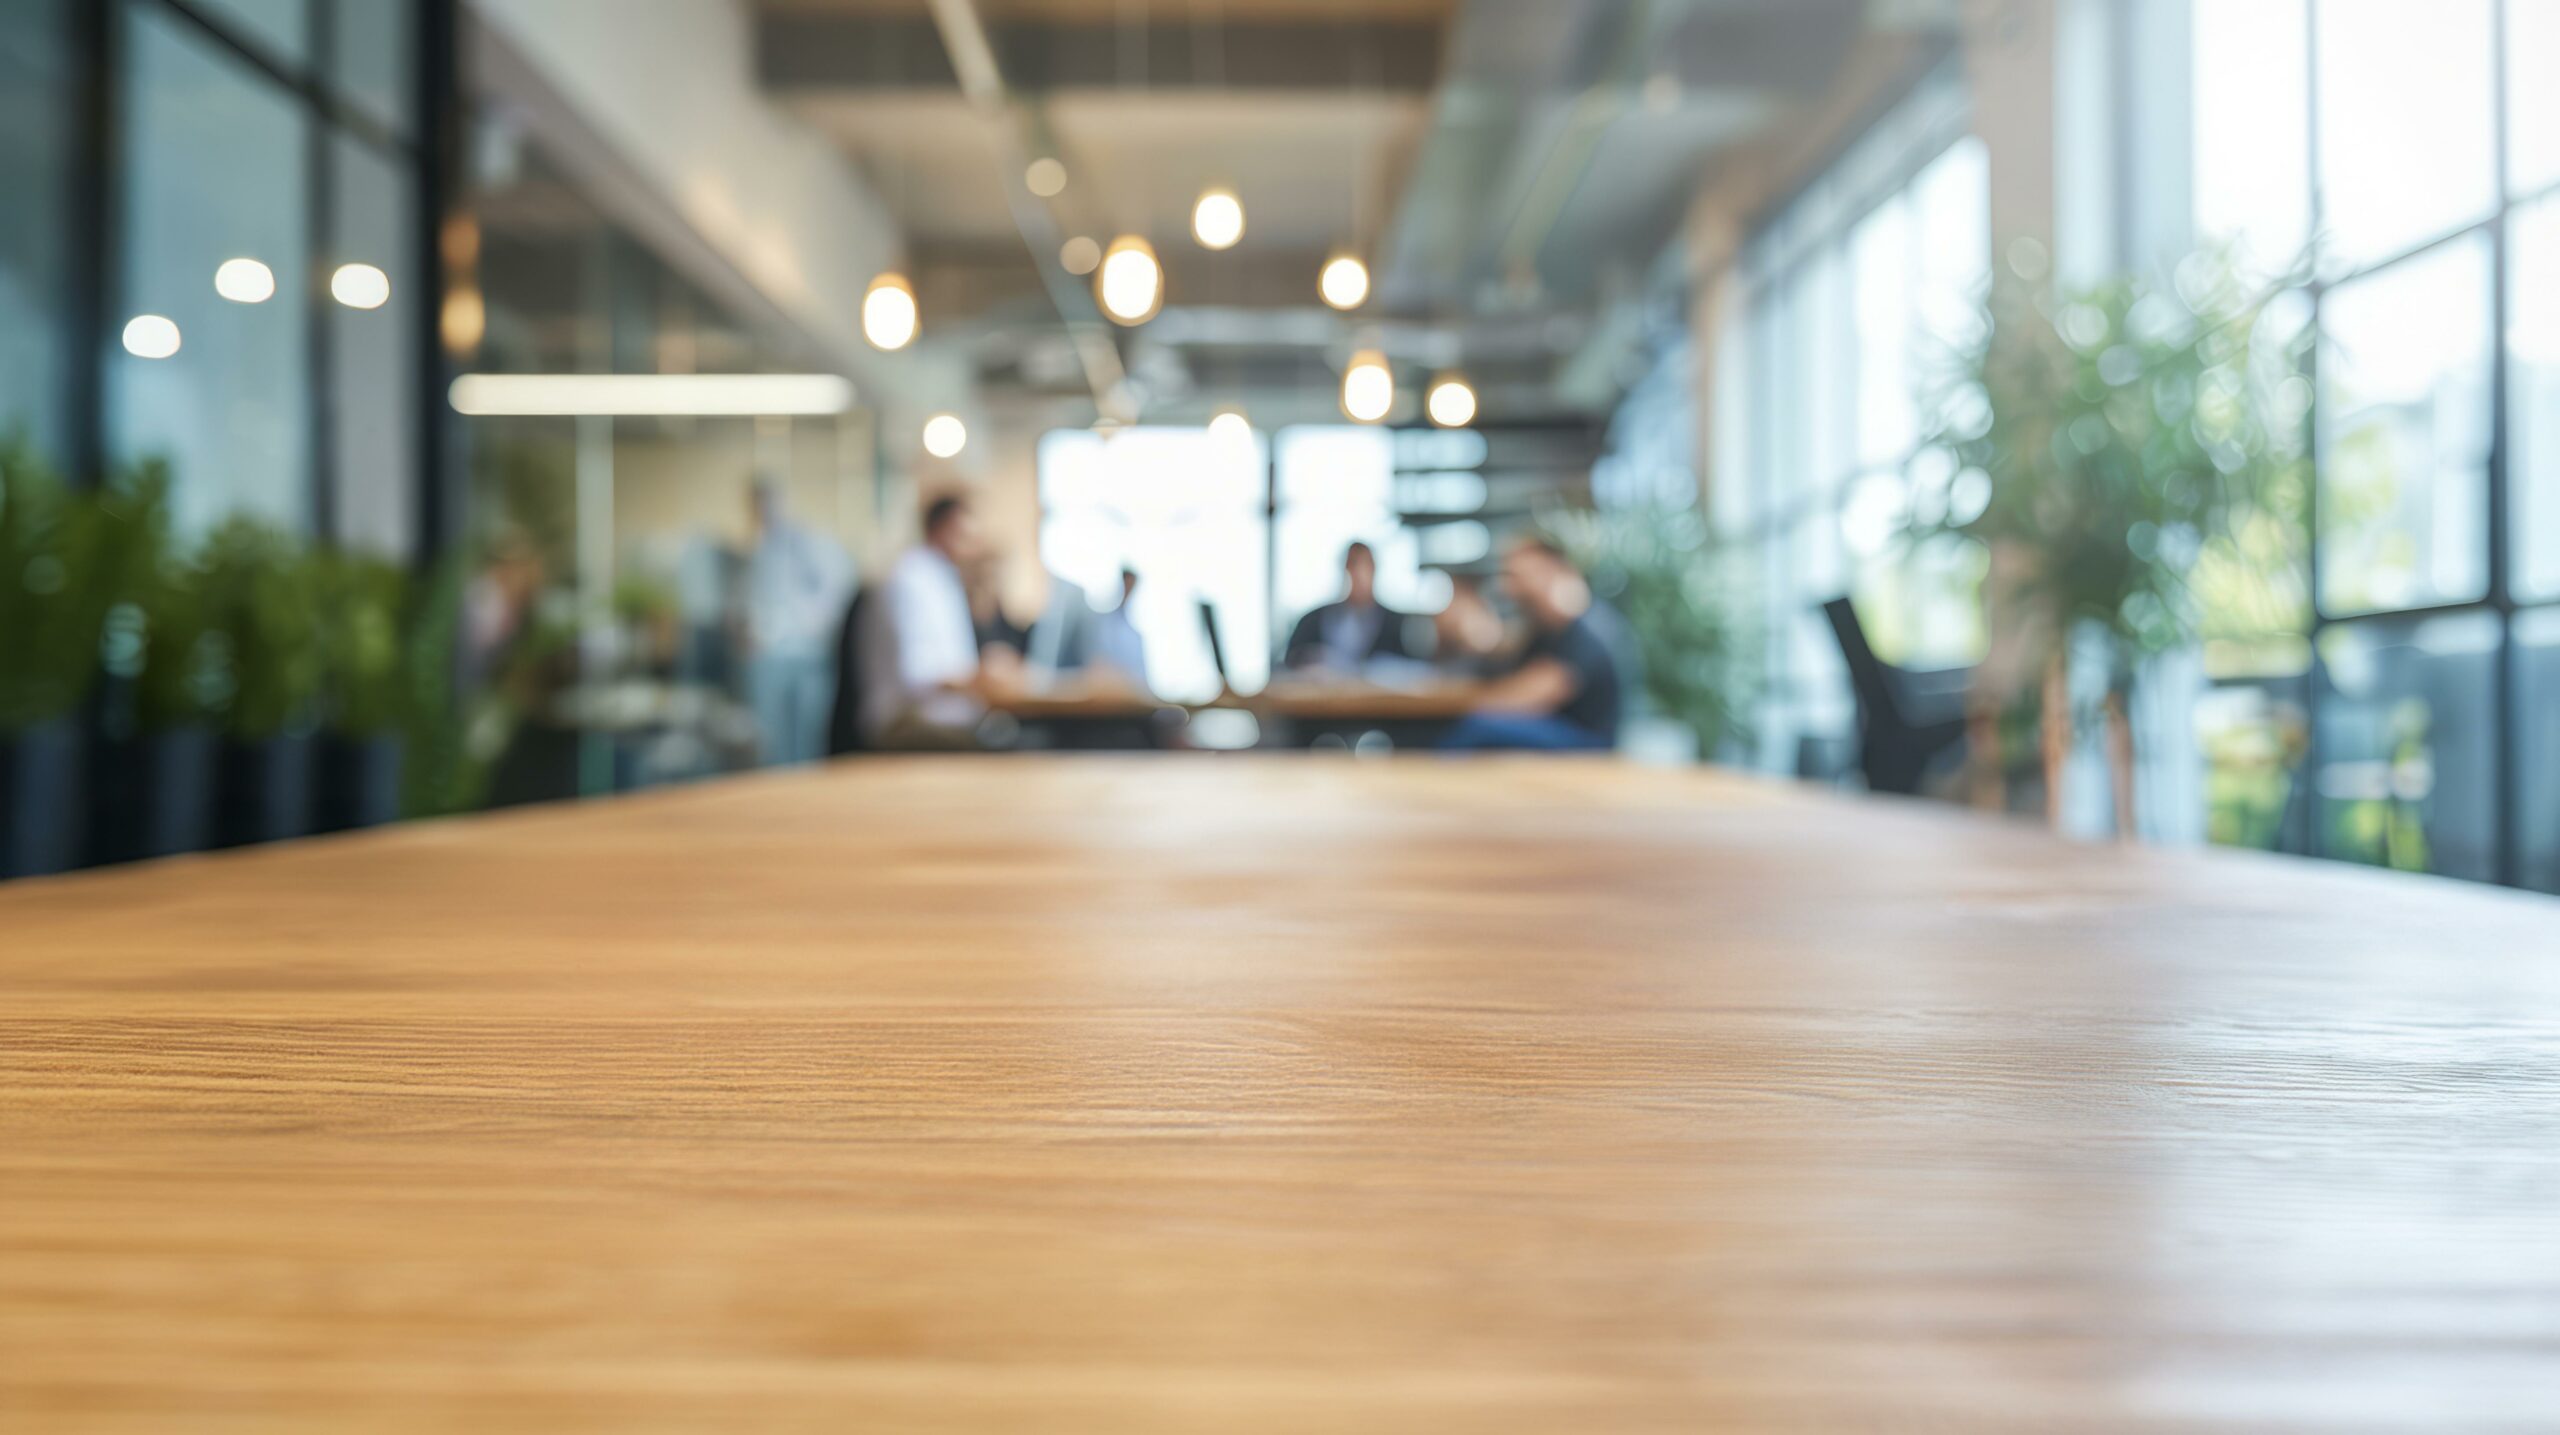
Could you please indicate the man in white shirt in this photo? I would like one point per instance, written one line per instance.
(922, 687)
(797, 582)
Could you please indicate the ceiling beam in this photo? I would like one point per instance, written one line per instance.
(804, 51)
(963, 35)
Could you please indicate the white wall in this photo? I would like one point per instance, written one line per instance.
(670, 86)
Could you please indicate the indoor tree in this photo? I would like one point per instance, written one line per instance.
(2109, 445)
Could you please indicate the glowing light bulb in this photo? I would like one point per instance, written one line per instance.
(889, 312)
(1368, 387)
(1451, 402)
(1130, 283)
(945, 436)
(1232, 428)
(1080, 256)
(1046, 177)
(1344, 282)
(1217, 221)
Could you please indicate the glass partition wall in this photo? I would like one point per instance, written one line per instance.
(214, 266)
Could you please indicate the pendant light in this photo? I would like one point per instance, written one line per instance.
(1130, 284)
(889, 312)
(1217, 220)
(1451, 401)
(1344, 282)
(1368, 387)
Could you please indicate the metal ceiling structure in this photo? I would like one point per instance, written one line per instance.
(1514, 170)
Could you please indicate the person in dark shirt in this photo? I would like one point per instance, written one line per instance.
(1569, 690)
(1343, 636)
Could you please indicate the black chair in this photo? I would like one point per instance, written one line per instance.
(844, 720)
(1906, 719)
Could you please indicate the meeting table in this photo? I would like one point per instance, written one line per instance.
(1272, 1092)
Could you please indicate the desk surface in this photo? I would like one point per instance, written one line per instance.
(1272, 1094)
(1359, 702)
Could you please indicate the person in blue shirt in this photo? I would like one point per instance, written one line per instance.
(1568, 691)
(1117, 644)
(797, 582)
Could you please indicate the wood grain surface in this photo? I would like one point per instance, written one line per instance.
(1336, 701)
(1264, 1094)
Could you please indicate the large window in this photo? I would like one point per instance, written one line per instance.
(1254, 528)
(2432, 523)
(1853, 299)
(1182, 508)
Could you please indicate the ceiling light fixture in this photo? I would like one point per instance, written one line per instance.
(1217, 221)
(1451, 402)
(608, 395)
(889, 312)
(945, 436)
(1230, 426)
(1046, 177)
(1130, 283)
(1345, 282)
(1080, 256)
(1368, 387)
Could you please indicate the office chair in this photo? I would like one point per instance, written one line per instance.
(844, 717)
(1906, 719)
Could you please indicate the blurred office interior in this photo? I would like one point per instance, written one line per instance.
(308, 525)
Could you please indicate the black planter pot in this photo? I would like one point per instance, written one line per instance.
(40, 816)
(263, 791)
(155, 795)
(359, 782)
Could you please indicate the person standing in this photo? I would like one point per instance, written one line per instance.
(796, 586)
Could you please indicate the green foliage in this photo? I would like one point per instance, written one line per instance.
(52, 603)
(263, 603)
(641, 600)
(362, 658)
(441, 771)
(1651, 564)
(159, 640)
(2125, 441)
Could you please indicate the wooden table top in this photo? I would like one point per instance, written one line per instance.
(1330, 701)
(1070, 704)
(1261, 1094)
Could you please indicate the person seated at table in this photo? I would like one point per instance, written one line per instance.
(1117, 643)
(1345, 635)
(1469, 642)
(1569, 688)
(923, 684)
(995, 627)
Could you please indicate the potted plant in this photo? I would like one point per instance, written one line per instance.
(363, 673)
(1651, 566)
(261, 603)
(2104, 445)
(51, 610)
(168, 674)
